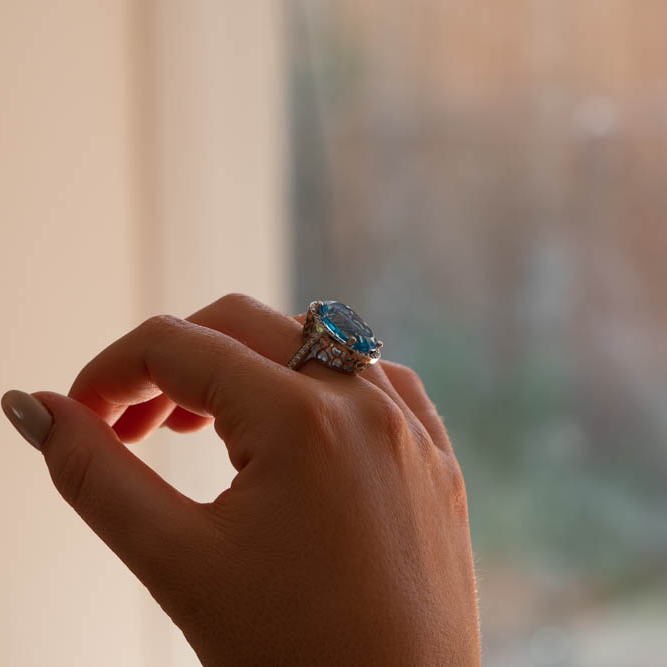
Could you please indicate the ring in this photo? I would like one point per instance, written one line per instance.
(337, 337)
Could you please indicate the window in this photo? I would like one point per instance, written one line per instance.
(486, 181)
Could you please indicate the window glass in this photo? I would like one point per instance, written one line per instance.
(486, 183)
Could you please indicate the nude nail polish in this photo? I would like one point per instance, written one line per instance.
(28, 416)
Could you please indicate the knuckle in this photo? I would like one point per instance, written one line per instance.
(157, 323)
(319, 416)
(455, 485)
(236, 301)
(387, 416)
(70, 474)
(421, 436)
(316, 410)
(410, 376)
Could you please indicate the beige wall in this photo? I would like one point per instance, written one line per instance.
(141, 171)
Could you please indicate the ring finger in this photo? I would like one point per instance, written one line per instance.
(268, 332)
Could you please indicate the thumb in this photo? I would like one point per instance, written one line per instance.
(141, 517)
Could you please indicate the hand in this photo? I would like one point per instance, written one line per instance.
(343, 539)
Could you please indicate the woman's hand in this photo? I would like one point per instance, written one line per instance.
(343, 539)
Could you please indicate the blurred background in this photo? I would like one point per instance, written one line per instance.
(485, 182)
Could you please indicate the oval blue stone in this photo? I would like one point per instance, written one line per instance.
(342, 322)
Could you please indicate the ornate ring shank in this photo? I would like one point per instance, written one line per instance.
(321, 346)
(299, 357)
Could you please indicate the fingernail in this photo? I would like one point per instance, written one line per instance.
(28, 416)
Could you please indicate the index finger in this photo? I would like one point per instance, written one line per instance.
(200, 369)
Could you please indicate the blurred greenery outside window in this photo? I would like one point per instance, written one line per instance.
(487, 185)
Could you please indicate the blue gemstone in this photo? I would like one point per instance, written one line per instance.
(342, 322)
